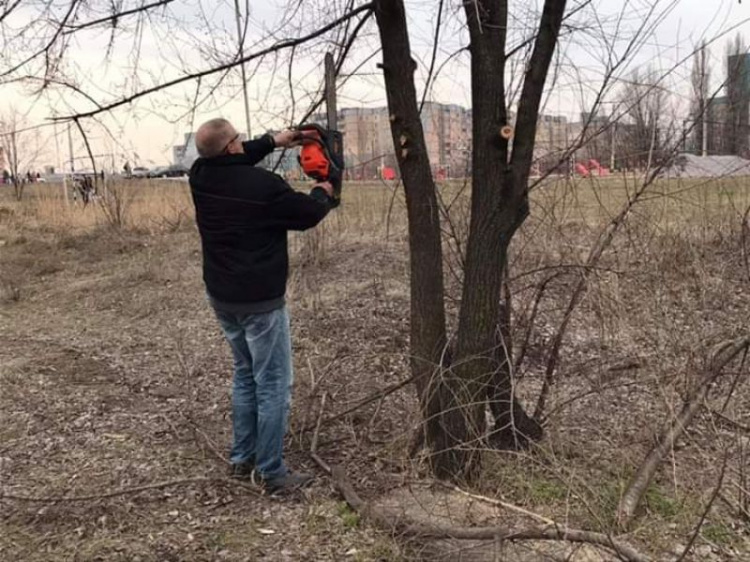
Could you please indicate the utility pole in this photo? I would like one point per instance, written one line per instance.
(70, 150)
(58, 164)
(704, 103)
(241, 43)
(612, 148)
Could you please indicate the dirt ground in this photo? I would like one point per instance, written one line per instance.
(114, 383)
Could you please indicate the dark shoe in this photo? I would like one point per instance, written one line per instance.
(286, 484)
(242, 471)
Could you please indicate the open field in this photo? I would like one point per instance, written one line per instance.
(114, 376)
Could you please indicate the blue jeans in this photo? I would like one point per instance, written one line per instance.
(262, 389)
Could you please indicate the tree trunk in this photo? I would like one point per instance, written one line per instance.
(428, 332)
(499, 207)
(477, 365)
(454, 400)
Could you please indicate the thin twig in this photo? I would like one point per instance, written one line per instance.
(114, 17)
(314, 445)
(709, 505)
(498, 503)
(209, 443)
(362, 403)
(726, 419)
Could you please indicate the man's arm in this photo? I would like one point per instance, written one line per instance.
(258, 149)
(294, 210)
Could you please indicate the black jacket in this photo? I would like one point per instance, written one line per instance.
(243, 215)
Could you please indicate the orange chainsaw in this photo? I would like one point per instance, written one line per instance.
(322, 156)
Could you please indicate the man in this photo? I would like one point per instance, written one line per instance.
(243, 215)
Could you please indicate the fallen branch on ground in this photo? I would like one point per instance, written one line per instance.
(361, 404)
(423, 531)
(126, 491)
(197, 431)
(722, 355)
(729, 421)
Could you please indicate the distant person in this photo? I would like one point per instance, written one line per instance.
(243, 215)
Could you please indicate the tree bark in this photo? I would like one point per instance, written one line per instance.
(514, 429)
(428, 331)
(499, 207)
(454, 400)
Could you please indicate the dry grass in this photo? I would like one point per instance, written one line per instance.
(113, 372)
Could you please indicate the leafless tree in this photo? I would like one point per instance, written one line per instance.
(456, 382)
(643, 131)
(20, 147)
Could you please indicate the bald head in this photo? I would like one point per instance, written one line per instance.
(213, 136)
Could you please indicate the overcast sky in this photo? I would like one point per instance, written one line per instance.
(191, 35)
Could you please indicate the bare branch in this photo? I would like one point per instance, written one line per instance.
(722, 355)
(114, 17)
(127, 491)
(404, 527)
(220, 68)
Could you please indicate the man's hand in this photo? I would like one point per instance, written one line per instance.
(326, 186)
(287, 139)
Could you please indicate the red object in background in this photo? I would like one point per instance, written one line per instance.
(582, 170)
(388, 173)
(594, 165)
(440, 175)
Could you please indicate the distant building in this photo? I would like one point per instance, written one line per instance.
(738, 70)
(737, 129)
(185, 154)
(553, 136)
(368, 143)
(728, 116)
(447, 131)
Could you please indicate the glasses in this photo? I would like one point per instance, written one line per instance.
(234, 138)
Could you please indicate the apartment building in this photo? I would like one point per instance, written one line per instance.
(368, 145)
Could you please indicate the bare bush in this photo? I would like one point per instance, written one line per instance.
(116, 203)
